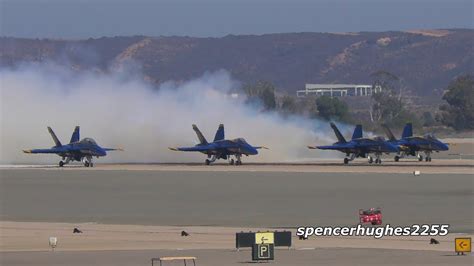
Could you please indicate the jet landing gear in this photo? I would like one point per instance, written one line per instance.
(428, 156)
(378, 160)
(87, 161)
(212, 159)
(64, 161)
(420, 157)
(351, 158)
(239, 160)
(400, 156)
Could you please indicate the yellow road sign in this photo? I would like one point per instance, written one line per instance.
(264, 238)
(462, 244)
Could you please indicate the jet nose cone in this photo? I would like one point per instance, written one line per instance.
(101, 152)
(444, 147)
(252, 150)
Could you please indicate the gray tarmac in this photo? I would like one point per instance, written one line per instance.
(229, 257)
(241, 199)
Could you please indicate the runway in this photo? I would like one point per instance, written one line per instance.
(446, 166)
(233, 198)
(132, 212)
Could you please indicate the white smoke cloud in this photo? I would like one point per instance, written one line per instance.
(121, 111)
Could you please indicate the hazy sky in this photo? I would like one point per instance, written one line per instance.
(211, 18)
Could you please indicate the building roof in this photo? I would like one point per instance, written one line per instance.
(334, 86)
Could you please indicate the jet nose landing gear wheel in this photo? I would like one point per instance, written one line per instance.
(208, 162)
(61, 163)
(397, 158)
(346, 161)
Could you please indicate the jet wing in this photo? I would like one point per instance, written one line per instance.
(232, 144)
(52, 150)
(195, 148)
(339, 147)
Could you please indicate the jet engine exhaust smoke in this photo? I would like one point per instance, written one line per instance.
(126, 112)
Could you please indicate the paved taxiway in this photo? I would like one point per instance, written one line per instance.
(234, 198)
(32, 236)
(229, 257)
(226, 199)
(445, 166)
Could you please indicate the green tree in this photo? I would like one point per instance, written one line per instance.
(331, 108)
(268, 98)
(388, 82)
(288, 105)
(458, 113)
(263, 92)
(428, 120)
(389, 109)
(387, 106)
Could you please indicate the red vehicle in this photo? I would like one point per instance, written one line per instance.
(373, 216)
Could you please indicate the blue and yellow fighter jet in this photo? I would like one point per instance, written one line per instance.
(221, 148)
(77, 150)
(359, 146)
(413, 145)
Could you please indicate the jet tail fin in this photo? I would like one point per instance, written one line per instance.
(357, 134)
(407, 131)
(200, 136)
(75, 135)
(339, 136)
(219, 133)
(388, 132)
(55, 138)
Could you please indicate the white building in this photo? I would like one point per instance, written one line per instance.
(338, 90)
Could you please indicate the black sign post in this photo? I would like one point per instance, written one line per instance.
(263, 252)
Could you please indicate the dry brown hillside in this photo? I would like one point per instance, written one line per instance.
(427, 60)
